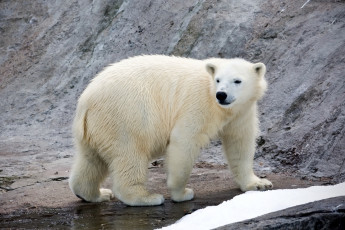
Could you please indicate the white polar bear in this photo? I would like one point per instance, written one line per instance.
(148, 106)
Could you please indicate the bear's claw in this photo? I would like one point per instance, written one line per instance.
(105, 195)
(258, 184)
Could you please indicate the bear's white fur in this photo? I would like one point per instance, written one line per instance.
(148, 106)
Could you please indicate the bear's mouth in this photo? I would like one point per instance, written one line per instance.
(223, 102)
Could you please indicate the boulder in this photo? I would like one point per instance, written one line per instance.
(324, 214)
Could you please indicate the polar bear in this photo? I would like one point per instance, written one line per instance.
(147, 106)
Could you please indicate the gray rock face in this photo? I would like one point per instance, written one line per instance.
(324, 214)
(303, 114)
(51, 49)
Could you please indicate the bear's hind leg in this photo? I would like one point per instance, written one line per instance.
(87, 174)
(129, 174)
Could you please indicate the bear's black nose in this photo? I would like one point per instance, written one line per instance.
(221, 96)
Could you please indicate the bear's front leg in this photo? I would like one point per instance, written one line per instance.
(181, 155)
(239, 150)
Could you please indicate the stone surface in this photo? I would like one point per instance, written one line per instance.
(324, 214)
(51, 49)
(50, 204)
(303, 121)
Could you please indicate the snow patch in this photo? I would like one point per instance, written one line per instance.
(253, 204)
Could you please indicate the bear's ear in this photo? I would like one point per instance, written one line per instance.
(211, 69)
(260, 69)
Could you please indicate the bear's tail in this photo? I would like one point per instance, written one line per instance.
(80, 124)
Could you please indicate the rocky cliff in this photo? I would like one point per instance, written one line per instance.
(51, 49)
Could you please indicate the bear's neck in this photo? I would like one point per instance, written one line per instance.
(232, 113)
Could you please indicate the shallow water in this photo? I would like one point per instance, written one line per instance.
(110, 215)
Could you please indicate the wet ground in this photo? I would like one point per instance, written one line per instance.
(50, 204)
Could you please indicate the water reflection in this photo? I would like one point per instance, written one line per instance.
(115, 215)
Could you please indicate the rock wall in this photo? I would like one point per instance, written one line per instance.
(323, 214)
(303, 115)
(51, 49)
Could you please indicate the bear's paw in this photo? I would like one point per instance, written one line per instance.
(149, 200)
(154, 199)
(105, 195)
(187, 194)
(257, 184)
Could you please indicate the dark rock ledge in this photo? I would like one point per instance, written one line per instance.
(324, 214)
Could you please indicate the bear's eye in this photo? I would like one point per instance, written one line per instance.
(217, 80)
(237, 81)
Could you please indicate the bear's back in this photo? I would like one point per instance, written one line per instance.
(160, 81)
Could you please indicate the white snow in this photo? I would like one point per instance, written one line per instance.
(253, 204)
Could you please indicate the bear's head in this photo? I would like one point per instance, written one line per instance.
(237, 81)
